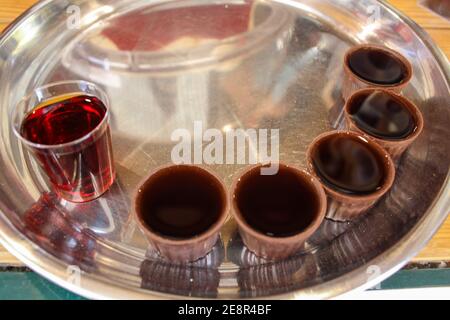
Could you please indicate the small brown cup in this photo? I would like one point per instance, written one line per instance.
(342, 206)
(273, 247)
(352, 82)
(394, 147)
(182, 250)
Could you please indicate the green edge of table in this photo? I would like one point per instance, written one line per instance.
(30, 286)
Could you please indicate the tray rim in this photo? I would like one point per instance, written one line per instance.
(95, 288)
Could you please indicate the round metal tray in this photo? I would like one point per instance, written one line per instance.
(283, 70)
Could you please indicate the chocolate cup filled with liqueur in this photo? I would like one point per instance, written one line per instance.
(181, 209)
(369, 65)
(277, 213)
(354, 170)
(390, 119)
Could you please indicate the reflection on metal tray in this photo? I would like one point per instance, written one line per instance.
(231, 64)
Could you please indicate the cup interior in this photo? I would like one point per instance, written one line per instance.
(52, 93)
(283, 205)
(381, 59)
(181, 202)
(351, 165)
(355, 101)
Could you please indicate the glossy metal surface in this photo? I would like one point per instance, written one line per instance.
(284, 73)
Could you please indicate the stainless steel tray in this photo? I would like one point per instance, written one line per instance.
(284, 73)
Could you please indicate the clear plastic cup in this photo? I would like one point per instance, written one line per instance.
(81, 169)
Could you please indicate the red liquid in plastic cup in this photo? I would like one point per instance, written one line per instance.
(69, 136)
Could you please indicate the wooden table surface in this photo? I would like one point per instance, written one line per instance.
(439, 247)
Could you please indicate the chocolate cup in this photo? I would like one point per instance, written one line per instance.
(184, 250)
(345, 207)
(276, 248)
(394, 147)
(352, 82)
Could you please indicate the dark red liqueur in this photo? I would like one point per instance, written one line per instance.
(63, 121)
(348, 165)
(279, 205)
(377, 66)
(81, 168)
(180, 202)
(383, 116)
